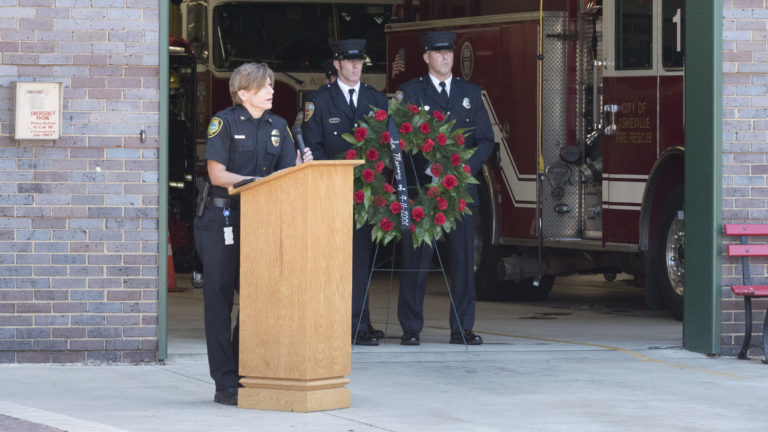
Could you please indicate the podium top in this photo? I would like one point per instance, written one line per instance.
(287, 171)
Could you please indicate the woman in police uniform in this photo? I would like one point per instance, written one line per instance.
(244, 141)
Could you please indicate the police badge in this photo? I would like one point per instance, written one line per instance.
(399, 95)
(465, 103)
(275, 137)
(309, 109)
(214, 127)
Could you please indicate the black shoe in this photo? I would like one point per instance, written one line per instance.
(471, 338)
(374, 332)
(226, 397)
(410, 339)
(365, 338)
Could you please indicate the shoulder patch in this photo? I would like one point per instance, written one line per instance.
(214, 127)
(289, 132)
(309, 109)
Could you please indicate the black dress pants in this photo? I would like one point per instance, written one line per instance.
(221, 267)
(413, 282)
(361, 270)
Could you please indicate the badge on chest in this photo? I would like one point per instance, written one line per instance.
(275, 136)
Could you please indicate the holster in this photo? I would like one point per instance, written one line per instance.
(203, 187)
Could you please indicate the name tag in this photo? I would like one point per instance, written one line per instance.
(239, 136)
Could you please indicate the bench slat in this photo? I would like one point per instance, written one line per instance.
(748, 250)
(750, 290)
(746, 229)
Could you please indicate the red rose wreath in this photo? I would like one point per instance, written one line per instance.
(440, 203)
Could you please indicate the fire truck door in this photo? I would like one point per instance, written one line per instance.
(630, 113)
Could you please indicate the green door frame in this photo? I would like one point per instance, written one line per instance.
(703, 135)
(162, 188)
(703, 174)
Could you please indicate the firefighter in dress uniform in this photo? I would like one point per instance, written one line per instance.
(245, 141)
(459, 100)
(329, 112)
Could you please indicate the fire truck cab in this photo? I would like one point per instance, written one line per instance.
(586, 99)
(291, 36)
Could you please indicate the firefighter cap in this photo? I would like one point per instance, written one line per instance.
(438, 41)
(348, 49)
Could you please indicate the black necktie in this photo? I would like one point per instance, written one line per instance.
(443, 93)
(352, 99)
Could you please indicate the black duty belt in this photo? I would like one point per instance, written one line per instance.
(219, 202)
(223, 203)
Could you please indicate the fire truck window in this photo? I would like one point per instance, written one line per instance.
(367, 22)
(196, 35)
(634, 31)
(673, 34)
(290, 38)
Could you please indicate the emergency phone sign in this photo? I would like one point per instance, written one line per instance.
(38, 110)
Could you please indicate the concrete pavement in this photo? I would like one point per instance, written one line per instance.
(571, 364)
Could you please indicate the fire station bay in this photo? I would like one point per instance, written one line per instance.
(585, 203)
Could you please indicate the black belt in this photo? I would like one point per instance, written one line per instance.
(222, 203)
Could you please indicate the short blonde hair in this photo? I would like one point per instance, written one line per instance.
(249, 76)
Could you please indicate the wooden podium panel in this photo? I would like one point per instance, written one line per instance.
(295, 288)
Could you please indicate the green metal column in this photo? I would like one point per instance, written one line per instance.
(703, 174)
(162, 190)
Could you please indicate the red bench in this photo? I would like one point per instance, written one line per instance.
(748, 290)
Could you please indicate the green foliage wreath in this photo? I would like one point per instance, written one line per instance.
(441, 203)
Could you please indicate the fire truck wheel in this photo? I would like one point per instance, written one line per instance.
(670, 256)
(488, 285)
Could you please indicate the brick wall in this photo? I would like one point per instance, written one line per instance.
(78, 215)
(745, 166)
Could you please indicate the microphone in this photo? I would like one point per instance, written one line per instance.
(297, 133)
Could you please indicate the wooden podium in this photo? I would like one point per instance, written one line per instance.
(296, 288)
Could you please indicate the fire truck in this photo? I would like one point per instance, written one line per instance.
(293, 37)
(586, 100)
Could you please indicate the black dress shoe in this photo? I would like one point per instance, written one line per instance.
(365, 338)
(410, 339)
(374, 332)
(471, 338)
(226, 397)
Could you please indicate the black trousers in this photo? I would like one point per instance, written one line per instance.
(361, 270)
(221, 278)
(413, 282)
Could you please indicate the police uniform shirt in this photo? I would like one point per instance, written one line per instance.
(248, 146)
(327, 116)
(465, 105)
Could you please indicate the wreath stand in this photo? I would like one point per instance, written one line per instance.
(406, 237)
